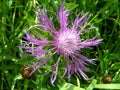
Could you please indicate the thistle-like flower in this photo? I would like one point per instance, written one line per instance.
(66, 42)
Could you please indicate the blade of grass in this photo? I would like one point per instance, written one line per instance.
(92, 85)
(107, 86)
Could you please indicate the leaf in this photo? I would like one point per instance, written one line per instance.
(116, 78)
(68, 86)
(14, 81)
(107, 86)
(71, 6)
(92, 85)
(115, 66)
(113, 56)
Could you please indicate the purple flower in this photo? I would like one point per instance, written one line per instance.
(66, 42)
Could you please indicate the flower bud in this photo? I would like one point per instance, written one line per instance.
(107, 79)
(25, 72)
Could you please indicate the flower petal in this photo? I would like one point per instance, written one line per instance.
(80, 21)
(54, 73)
(91, 42)
(31, 39)
(40, 63)
(44, 21)
(63, 16)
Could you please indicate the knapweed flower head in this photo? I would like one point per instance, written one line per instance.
(65, 42)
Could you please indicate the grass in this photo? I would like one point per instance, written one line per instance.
(16, 16)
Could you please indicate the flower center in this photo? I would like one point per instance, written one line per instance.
(66, 41)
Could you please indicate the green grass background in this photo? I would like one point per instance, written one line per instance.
(16, 16)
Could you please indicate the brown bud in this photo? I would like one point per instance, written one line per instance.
(107, 79)
(25, 72)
